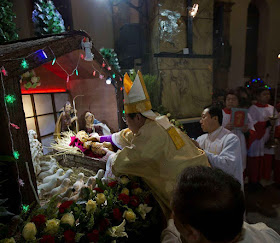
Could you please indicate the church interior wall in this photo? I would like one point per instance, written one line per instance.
(88, 15)
(99, 98)
(23, 18)
(268, 46)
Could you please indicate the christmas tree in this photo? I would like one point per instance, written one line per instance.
(46, 19)
(7, 26)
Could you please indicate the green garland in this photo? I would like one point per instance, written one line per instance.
(8, 30)
(111, 57)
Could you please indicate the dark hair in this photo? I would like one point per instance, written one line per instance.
(244, 102)
(259, 90)
(210, 201)
(132, 115)
(241, 89)
(216, 111)
(232, 92)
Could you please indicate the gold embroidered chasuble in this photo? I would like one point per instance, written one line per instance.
(152, 155)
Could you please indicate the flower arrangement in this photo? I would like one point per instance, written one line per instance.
(119, 211)
(30, 80)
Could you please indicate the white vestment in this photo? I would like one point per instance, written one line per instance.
(251, 233)
(259, 115)
(223, 151)
(240, 135)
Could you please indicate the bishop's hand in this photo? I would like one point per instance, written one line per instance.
(94, 137)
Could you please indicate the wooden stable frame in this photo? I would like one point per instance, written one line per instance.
(35, 116)
(11, 55)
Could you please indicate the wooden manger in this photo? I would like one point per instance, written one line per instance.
(73, 160)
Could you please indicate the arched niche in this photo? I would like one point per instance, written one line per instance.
(256, 39)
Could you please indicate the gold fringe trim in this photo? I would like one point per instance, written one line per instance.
(176, 138)
(138, 107)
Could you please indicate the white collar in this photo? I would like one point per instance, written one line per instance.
(213, 135)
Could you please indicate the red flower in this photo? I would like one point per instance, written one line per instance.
(134, 201)
(104, 223)
(112, 184)
(124, 198)
(69, 236)
(39, 220)
(64, 206)
(117, 214)
(98, 190)
(93, 236)
(47, 239)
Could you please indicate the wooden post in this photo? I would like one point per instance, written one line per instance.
(18, 140)
(9, 188)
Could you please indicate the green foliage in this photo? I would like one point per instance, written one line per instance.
(46, 19)
(178, 124)
(7, 26)
(153, 88)
(111, 57)
(98, 215)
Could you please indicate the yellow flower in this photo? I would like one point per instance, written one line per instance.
(137, 191)
(91, 206)
(129, 216)
(125, 191)
(124, 180)
(52, 226)
(68, 218)
(29, 231)
(9, 240)
(100, 198)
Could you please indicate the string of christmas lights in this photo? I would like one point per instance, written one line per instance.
(94, 72)
(257, 81)
(41, 55)
(15, 153)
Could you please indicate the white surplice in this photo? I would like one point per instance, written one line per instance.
(240, 135)
(251, 233)
(223, 151)
(261, 114)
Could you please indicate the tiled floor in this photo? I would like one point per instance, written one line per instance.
(263, 205)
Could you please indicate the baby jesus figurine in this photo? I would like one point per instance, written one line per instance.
(89, 146)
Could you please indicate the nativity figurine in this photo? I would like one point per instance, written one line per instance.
(66, 120)
(92, 125)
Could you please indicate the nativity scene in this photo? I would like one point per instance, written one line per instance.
(147, 142)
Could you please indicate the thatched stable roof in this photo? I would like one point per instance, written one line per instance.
(11, 54)
(58, 45)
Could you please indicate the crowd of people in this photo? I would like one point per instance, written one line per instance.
(260, 160)
(206, 204)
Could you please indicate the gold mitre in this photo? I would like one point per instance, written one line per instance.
(137, 100)
(136, 97)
